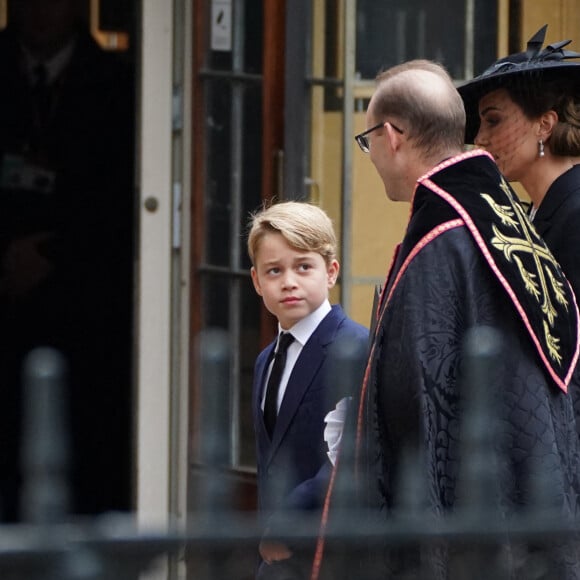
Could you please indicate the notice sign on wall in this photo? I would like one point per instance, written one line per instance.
(221, 25)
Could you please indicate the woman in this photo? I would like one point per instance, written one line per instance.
(525, 110)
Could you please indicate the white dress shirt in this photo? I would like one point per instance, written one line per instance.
(301, 332)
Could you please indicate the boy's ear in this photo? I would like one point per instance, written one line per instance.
(332, 272)
(256, 281)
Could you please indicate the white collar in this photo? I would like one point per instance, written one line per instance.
(304, 328)
(54, 65)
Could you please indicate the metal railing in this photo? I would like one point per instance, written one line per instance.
(49, 544)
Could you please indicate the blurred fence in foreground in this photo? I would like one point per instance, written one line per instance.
(52, 545)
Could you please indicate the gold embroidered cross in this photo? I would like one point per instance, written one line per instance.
(529, 243)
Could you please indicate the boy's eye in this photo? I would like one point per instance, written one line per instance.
(272, 270)
(304, 267)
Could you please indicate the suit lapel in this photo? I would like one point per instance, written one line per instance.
(258, 390)
(300, 380)
(304, 372)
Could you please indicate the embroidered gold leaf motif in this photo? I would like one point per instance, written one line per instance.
(505, 188)
(504, 212)
(541, 282)
(552, 344)
(558, 288)
(549, 310)
(528, 278)
(510, 247)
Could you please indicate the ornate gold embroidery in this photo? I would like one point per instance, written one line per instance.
(558, 288)
(542, 284)
(504, 212)
(552, 344)
(528, 277)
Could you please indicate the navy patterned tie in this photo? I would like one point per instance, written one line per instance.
(271, 404)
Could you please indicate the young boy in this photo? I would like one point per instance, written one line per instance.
(292, 247)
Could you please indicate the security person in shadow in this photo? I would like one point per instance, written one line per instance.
(66, 232)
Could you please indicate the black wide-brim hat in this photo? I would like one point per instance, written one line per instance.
(532, 67)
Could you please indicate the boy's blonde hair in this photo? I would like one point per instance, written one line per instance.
(304, 226)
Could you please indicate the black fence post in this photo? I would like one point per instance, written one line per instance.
(45, 452)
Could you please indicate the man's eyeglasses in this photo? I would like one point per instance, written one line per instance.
(363, 141)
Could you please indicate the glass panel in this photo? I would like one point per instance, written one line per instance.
(251, 163)
(215, 311)
(326, 103)
(253, 19)
(249, 309)
(249, 350)
(233, 174)
(394, 31)
(219, 169)
(485, 35)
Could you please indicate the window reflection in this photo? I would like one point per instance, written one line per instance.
(394, 31)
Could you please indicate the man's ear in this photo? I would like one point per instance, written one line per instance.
(395, 138)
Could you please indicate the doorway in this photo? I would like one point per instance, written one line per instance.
(67, 141)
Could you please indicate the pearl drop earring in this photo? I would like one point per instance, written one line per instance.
(541, 152)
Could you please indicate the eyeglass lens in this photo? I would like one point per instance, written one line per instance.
(363, 143)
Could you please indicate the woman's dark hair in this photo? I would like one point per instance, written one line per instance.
(551, 95)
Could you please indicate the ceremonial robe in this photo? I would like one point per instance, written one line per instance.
(469, 258)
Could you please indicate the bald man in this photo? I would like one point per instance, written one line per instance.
(467, 259)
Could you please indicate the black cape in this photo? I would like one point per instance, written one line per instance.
(469, 258)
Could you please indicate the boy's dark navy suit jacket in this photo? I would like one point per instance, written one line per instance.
(293, 467)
